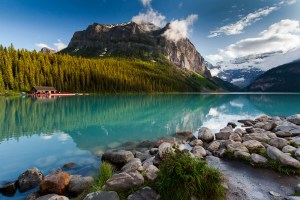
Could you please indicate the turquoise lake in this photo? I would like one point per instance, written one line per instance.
(48, 133)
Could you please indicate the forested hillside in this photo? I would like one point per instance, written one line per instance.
(22, 69)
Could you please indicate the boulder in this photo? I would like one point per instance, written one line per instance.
(56, 183)
(164, 149)
(145, 193)
(253, 144)
(224, 133)
(29, 179)
(102, 195)
(240, 131)
(8, 189)
(237, 146)
(288, 149)
(235, 137)
(278, 142)
(239, 154)
(297, 153)
(261, 137)
(258, 159)
(297, 188)
(118, 157)
(285, 159)
(214, 146)
(69, 165)
(142, 156)
(52, 197)
(283, 134)
(133, 165)
(153, 151)
(157, 160)
(79, 184)
(247, 122)
(205, 135)
(255, 130)
(293, 129)
(199, 152)
(232, 124)
(270, 134)
(150, 172)
(295, 119)
(196, 143)
(263, 118)
(185, 135)
(124, 181)
(269, 126)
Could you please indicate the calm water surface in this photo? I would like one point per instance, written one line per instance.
(47, 133)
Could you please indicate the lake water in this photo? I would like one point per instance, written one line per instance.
(47, 133)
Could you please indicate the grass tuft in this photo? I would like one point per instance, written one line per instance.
(181, 177)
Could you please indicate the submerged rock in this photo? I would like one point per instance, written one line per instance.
(31, 178)
(102, 195)
(186, 135)
(146, 193)
(285, 159)
(55, 183)
(124, 181)
(118, 157)
(8, 189)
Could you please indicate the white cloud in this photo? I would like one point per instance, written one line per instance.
(290, 2)
(60, 45)
(151, 16)
(238, 27)
(146, 2)
(283, 36)
(179, 29)
(42, 45)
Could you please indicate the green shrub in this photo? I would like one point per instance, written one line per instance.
(105, 173)
(181, 177)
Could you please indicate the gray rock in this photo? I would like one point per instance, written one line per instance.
(255, 130)
(164, 149)
(263, 118)
(258, 159)
(288, 149)
(33, 196)
(293, 129)
(157, 160)
(283, 134)
(8, 189)
(153, 151)
(214, 146)
(151, 172)
(146, 193)
(295, 119)
(293, 198)
(186, 135)
(278, 142)
(102, 195)
(224, 133)
(253, 144)
(205, 134)
(79, 184)
(238, 154)
(237, 146)
(240, 131)
(196, 143)
(275, 194)
(199, 152)
(124, 181)
(118, 157)
(232, 124)
(297, 153)
(149, 161)
(235, 137)
(52, 197)
(261, 137)
(132, 166)
(269, 126)
(142, 156)
(276, 154)
(31, 178)
(297, 188)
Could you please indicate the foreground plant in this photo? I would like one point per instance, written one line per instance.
(181, 177)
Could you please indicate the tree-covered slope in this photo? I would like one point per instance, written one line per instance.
(284, 78)
(21, 69)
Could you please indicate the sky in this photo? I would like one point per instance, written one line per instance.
(221, 30)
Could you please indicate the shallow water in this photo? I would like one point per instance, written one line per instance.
(47, 133)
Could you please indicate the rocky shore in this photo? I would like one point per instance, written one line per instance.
(266, 142)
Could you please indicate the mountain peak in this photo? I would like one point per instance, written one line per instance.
(132, 39)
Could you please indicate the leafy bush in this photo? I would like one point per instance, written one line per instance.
(181, 177)
(105, 173)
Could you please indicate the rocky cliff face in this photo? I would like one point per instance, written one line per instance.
(47, 50)
(135, 39)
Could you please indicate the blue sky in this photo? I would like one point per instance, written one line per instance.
(220, 29)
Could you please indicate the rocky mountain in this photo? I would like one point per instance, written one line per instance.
(144, 41)
(284, 78)
(47, 50)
